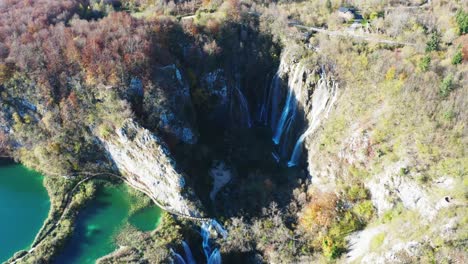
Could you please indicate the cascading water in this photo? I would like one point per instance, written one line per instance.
(205, 233)
(322, 101)
(188, 253)
(213, 256)
(275, 93)
(177, 258)
(263, 106)
(289, 110)
(244, 107)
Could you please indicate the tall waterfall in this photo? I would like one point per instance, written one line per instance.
(289, 110)
(273, 100)
(323, 98)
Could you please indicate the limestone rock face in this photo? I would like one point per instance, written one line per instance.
(168, 106)
(144, 160)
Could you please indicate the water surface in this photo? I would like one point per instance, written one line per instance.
(100, 221)
(24, 205)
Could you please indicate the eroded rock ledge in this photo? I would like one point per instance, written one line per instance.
(145, 162)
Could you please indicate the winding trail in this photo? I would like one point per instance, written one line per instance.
(343, 33)
(89, 175)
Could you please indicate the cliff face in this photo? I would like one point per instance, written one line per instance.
(338, 154)
(301, 96)
(167, 105)
(145, 162)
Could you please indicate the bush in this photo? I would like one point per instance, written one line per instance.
(320, 212)
(330, 249)
(433, 43)
(365, 210)
(446, 86)
(425, 63)
(462, 21)
(458, 57)
(356, 192)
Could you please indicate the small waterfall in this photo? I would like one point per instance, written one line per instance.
(263, 106)
(288, 105)
(215, 257)
(205, 233)
(178, 259)
(219, 228)
(244, 112)
(298, 148)
(285, 143)
(323, 99)
(274, 96)
(188, 253)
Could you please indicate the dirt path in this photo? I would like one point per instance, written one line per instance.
(366, 37)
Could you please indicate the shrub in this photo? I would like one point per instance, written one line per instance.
(356, 192)
(458, 57)
(364, 210)
(433, 43)
(331, 249)
(320, 212)
(425, 63)
(446, 86)
(462, 21)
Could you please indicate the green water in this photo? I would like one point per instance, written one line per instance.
(99, 223)
(24, 205)
(146, 219)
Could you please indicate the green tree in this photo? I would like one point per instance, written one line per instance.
(446, 86)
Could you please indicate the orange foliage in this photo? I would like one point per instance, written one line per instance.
(212, 26)
(320, 211)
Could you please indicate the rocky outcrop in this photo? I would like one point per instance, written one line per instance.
(301, 95)
(168, 106)
(145, 162)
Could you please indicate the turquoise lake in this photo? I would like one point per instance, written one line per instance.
(24, 206)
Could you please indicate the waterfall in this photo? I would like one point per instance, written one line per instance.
(323, 99)
(178, 259)
(219, 228)
(188, 253)
(243, 107)
(275, 93)
(288, 105)
(294, 83)
(298, 148)
(205, 233)
(263, 106)
(215, 257)
(285, 143)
